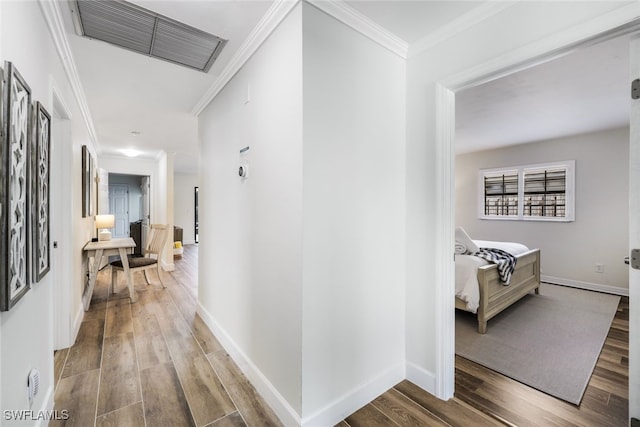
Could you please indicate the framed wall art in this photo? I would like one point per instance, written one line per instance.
(41, 181)
(14, 187)
(87, 182)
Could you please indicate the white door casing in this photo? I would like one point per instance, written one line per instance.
(634, 236)
(64, 322)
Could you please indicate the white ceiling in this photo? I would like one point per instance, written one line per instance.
(585, 91)
(129, 92)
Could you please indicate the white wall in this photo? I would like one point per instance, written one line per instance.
(569, 250)
(353, 238)
(500, 39)
(250, 275)
(302, 265)
(27, 329)
(184, 205)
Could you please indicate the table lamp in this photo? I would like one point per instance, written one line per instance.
(103, 222)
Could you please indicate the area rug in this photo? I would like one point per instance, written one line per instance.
(549, 341)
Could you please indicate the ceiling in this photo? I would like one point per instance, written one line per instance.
(146, 104)
(585, 91)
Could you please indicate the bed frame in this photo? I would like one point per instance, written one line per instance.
(495, 297)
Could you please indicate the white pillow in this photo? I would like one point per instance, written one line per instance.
(463, 239)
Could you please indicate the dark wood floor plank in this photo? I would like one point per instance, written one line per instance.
(86, 353)
(453, 411)
(150, 343)
(205, 394)
(77, 395)
(252, 407)
(369, 416)
(59, 358)
(205, 337)
(164, 400)
(119, 381)
(404, 411)
(130, 416)
(231, 420)
(118, 320)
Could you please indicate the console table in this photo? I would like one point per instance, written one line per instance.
(96, 250)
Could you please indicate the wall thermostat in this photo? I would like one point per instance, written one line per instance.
(243, 170)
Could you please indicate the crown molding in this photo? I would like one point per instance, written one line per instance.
(278, 11)
(276, 14)
(458, 25)
(53, 17)
(362, 24)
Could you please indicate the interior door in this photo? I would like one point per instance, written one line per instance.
(119, 206)
(634, 240)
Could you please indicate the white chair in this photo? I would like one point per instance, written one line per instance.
(150, 259)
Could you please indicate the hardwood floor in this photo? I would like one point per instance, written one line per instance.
(486, 398)
(154, 362)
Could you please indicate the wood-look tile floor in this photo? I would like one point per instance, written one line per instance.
(153, 362)
(486, 398)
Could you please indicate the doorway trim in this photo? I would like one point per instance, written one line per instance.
(64, 326)
(622, 21)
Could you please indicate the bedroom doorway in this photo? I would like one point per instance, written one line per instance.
(446, 92)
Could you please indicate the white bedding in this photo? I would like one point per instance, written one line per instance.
(467, 287)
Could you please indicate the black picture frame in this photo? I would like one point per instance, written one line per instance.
(40, 167)
(14, 187)
(87, 182)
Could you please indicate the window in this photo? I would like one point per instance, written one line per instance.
(533, 192)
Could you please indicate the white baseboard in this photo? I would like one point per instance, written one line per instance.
(77, 323)
(608, 289)
(47, 408)
(168, 267)
(188, 242)
(424, 379)
(269, 393)
(346, 405)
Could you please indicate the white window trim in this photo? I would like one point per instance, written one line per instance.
(570, 166)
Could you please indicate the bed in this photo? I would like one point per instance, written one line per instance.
(478, 285)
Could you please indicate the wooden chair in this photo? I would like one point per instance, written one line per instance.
(150, 259)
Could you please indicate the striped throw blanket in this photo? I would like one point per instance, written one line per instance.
(504, 260)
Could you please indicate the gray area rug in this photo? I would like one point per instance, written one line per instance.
(549, 341)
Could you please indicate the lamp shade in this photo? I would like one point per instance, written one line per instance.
(105, 221)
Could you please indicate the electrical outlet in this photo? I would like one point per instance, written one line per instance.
(599, 268)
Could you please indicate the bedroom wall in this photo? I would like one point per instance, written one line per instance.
(27, 329)
(569, 250)
(517, 32)
(353, 238)
(183, 205)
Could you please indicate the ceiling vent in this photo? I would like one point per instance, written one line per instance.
(134, 28)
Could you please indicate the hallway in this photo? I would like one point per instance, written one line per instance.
(154, 362)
